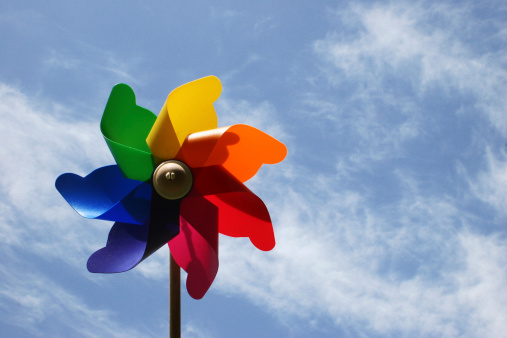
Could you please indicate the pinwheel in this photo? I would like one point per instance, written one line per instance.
(178, 179)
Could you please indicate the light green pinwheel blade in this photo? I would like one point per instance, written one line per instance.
(125, 127)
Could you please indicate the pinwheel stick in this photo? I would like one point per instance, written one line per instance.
(174, 299)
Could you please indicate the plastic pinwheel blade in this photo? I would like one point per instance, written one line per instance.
(125, 249)
(188, 109)
(125, 127)
(129, 244)
(241, 212)
(240, 149)
(195, 249)
(106, 194)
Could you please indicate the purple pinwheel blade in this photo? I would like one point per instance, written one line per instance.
(106, 194)
(129, 244)
(124, 249)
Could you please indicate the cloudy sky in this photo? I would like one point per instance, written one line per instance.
(390, 210)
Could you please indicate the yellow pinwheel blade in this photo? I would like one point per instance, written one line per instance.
(188, 109)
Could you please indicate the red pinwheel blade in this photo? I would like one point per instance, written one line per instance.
(195, 248)
(241, 212)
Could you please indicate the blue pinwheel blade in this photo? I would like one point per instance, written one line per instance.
(133, 208)
(106, 194)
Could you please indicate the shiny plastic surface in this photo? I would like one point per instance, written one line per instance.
(241, 212)
(240, 149)
(129, 244)
(124, 249)
(125, 127)
(188, 109)
(106, 194)
(195, 248)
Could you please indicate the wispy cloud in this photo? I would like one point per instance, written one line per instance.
(97, 63)
(42, 307)
(382, 246)
(38, 147)
(406, 268)
(490, 185)
(262, 115)
(420, 46)
(192, 331)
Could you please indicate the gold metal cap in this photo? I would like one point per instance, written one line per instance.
(172, 179)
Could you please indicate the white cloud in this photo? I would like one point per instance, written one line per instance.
(490, 185)
(482, 287)
(262, 116)
(413, 265)
(408, 269)
(31, 301)
(156, 266)
(38, 147)
(190, 330)
(99, 63)
(405, 42)
(362, 131)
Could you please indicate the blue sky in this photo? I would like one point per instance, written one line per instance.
(389, 211)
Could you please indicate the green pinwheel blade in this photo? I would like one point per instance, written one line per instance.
(125, 127)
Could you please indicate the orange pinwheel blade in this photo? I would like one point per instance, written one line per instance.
(188, 109)
(240, 149)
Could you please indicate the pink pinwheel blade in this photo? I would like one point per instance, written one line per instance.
(195, 248)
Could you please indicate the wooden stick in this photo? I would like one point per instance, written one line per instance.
(174, 299)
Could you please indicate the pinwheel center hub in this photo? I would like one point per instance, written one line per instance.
(172, 179)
